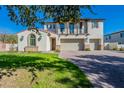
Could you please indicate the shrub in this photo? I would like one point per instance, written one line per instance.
(115, 48)
(87, 49)
(121, 49)
(57, 50)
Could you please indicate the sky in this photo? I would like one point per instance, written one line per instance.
(113, 15)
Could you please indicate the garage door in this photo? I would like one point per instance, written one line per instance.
(72, 44)
(94, 44)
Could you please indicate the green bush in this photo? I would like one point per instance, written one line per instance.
(121, 49)
(57, 50)
(87, 49)
(115, 48)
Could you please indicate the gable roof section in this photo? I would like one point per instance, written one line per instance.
(41, 30)
(28, 30)
(114, 33)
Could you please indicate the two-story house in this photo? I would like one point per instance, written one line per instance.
(86, 34)
(116, 37)
(114, 40)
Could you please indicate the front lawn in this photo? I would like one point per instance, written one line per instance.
(39, 70)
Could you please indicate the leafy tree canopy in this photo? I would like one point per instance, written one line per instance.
(33, 15)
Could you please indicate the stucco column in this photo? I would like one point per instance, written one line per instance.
(67, 25)
(102, 44)
(66, 28)
(86, 43)
(75, 28)
(58, 29)
(58, 43)
(45, 27)
(58, 38)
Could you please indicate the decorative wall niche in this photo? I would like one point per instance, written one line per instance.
(22, 37)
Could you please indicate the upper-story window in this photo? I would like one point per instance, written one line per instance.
(106, 38)
(119, 43)
(71, 27)
(54, 26)
(81, 24)
(121, 35)
(95, 24)
(62, 27)
(109, 37)
(49, 26)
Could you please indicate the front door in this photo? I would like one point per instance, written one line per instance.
(53, 43)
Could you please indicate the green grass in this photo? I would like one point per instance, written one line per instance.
(39, 70)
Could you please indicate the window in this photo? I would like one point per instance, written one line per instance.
(81, 23)
(54, 26)
(119, 43)
(49, 26)
(95, 24)
(71, 27)
(62, 27)
(32, 40)
(121, 35)
(109, 37)
(106, 38)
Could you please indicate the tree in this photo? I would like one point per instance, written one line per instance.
(6, 38)
(11, 39)
(3, 38)
(32, 16)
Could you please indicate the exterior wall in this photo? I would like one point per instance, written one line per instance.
(48, 43)
(8, 47)
(2, 46)
(11, 47)
(42, 44)
(110, 46)
(97, 33)
(121, 46)
(113, 45)
(114, 38)
(93, 33)
(95, 44)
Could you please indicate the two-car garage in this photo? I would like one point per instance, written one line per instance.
(72, 44)
(78, 44)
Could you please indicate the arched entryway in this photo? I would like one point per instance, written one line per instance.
(32, 46)
(32, 40)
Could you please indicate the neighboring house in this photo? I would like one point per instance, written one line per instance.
(8, 42)
(115, 37)
(114, 40)
(86, 34)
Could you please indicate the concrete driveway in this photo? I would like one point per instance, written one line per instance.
(105, 69)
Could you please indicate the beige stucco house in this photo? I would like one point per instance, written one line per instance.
(86, 34)
(114, 40)
(116, 37)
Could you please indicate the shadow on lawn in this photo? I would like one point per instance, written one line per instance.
(31, 63)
